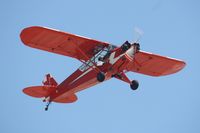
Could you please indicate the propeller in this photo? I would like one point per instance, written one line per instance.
(133, 47)
(138, 34)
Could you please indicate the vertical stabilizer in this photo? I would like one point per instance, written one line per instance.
(49, 81)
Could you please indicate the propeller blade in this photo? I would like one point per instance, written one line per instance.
(138, 34)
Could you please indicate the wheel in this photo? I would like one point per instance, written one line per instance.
(100, 77)
(134, 85)
(46, 109)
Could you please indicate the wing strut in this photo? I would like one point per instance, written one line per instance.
(85, 56)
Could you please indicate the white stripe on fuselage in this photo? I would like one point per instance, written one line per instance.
(87, 71)
(112, 60)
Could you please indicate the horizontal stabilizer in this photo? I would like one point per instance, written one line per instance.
(38, 91)
(66, 99)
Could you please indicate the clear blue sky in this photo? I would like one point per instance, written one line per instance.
(168, 104)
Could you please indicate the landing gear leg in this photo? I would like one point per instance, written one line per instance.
(47, 106)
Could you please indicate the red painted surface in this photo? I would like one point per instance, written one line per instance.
(83, 49)
(59, 42)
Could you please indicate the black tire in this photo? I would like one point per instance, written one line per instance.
(100, 77)
(134, 84)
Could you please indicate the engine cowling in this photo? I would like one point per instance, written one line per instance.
(135, 47)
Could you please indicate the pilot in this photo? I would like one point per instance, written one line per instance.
(103, 59)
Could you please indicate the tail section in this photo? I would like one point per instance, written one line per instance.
(49, 84)
(45, 91)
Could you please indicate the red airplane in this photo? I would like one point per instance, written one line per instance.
(101, 61)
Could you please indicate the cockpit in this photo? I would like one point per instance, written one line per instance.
(98, 59)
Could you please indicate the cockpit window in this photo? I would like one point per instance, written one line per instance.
(96, 59)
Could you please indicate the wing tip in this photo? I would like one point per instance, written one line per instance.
(178, 66)
(26, 32)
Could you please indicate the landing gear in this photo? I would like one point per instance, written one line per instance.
(100, 76)
(134, 85)
(47, 106)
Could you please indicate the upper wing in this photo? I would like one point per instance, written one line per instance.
(154, 65)
(61, 42)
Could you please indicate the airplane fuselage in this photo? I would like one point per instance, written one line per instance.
(82, 79)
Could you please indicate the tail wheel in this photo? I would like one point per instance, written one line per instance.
(100, 77)
(134, 84)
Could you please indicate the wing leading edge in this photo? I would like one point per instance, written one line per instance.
(61, 42)
(154, 65)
